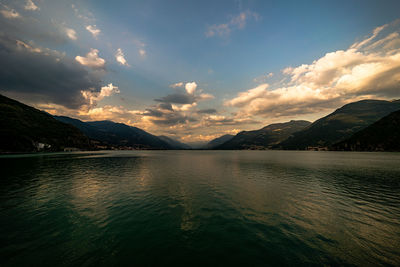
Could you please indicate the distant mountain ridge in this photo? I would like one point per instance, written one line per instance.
(367, 125)
(383, 135)
(266, 137)
(117, 134)
(218, 141)
(26, 129)
(175, 144)
(340, 124)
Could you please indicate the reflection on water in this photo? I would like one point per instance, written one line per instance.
(200, 207)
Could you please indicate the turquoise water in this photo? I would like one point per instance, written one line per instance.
(185, 208)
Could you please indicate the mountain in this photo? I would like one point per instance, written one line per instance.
(117, 134)
(174, 143)
(383, 135)
(266, 137)
(218, 141)
(340, 124)
(197, 144)
(26, 129)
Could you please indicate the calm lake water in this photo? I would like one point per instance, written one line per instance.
(187, 208)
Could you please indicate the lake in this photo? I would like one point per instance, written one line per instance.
(184, 208)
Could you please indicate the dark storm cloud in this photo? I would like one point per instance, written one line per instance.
(33, 29)
(222, 120)
(167, 117)
(166, 106)
(178, 98)
(43, 73)
(153, 113)
(173, 119)
(207, 111)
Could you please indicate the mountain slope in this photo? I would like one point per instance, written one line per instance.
(117, 134)
(174, 143)
(383, 135)
(340, 124)
(22, 128)
(218, 141)
(264, 138)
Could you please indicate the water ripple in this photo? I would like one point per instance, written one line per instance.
(200, 208)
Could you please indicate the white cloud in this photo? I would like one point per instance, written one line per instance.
(185, 107)
(191, 87)
(120, 58)
(235, 23)
(375, 33)
(142, 52)
(176, 85)
(205, 96)
(368, 69)
(92, 59)
(105, 91)
(93, 30)
(71, 33)
(108, 90)
(248, 96)
(30, 5)
(10, 14)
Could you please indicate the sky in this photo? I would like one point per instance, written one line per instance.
(196, 70)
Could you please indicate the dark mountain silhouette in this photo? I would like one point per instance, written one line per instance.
(174, 143)
(117, 134)
(383, 135)
(218, 141)
(264, 138)
(26, 129)
(340, 124)
(363, 126)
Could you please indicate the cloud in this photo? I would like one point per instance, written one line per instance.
(93, 30)
(30, 5)
(178, 98)
(247, 97)
(120, 58)
(165, 106)
(41, 75)
(177, 109)
(221, 120)
(190, 87)
(184, 98)
(204, 97)
(142, 52)
(176, 85)
(181, 102)
(167, 118)
(208, 137)
(235, 23)
(87, 17)
(185, 107)
(207, 111)
(30, 48)
(263, 78)
(91, 59)
(71, 33)
(375, 33)
(10, 13)
(105, 91)
(368, 69)
(35, 28)
(177, 119)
